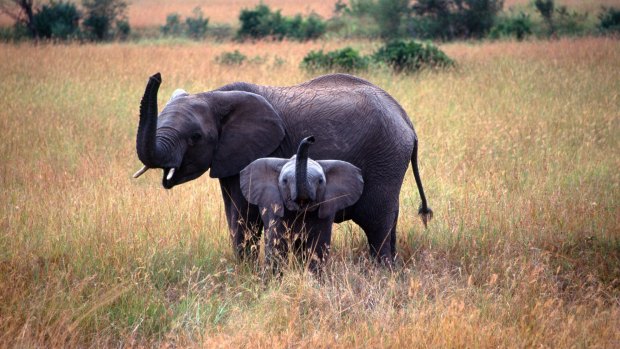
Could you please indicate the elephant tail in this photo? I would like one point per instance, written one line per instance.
(424, 211)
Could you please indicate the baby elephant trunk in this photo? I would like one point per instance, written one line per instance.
(301, 170)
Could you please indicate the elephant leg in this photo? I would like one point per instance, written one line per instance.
(377, 218)
(244, 220)
(321, 248)
(393, 236)
(318, 245)
(277, 243)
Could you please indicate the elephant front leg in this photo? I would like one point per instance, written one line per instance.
(317, 246)
(276, 243)
(244, 220)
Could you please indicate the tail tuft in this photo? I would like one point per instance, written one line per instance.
(426, 214)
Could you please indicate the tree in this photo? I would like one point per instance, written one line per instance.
(546, 9)
(389, 14)
(104, 18)
(22, 11)
(448, 19)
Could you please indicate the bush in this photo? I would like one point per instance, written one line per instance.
(173, 26)
(561, 20)
(518, 27)
(309, 29)
(58, 20)
(196, 26)
(17, 32)
(411, 56)
(105, 19)
(346, 59)
(449, 19)
(389, 15)
(609, 20)
(231, 58)
(261, 22)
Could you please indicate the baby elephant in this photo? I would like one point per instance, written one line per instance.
(298, 199)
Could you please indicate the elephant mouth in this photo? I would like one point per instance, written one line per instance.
(182, 174)
(300, 205)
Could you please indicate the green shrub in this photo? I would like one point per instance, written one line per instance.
(173, 26)
(59, 20)
(231, 58)
(346, 59)
(519, 27)
(609, 20)
(196, 26)
(389, 14)
(261, 22)
(309, 29)
(411, 56)
(105, 19)
(449, 19)
(17, 32)
(546, 8)
(122, 29)
(561, 21)
(570, 23)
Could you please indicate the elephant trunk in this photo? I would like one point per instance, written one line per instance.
(301, 168)
(146, 144)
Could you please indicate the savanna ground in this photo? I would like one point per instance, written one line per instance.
(520, 152)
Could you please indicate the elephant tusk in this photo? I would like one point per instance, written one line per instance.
(170, 174)
(140, 172)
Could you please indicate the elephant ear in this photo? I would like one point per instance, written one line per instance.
(344, 186)
(249, 129)
(259, 184)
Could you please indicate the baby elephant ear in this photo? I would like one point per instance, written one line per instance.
(344, 186)
(259, 184)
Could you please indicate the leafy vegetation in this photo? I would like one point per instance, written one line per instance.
(105, 19)
(194, 27)
(57, 20)
(100, 20)
(231, 58)
(609, 20)
(402, 56)
(346, 59)
(444, 20)
(518, 27)
(411, 56)
(261, 22)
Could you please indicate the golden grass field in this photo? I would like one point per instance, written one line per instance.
(520, 158)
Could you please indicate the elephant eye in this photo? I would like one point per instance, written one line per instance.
(285, 181)
(321, 181)
(195, 138)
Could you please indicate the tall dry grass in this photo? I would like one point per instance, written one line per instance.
(519, 157)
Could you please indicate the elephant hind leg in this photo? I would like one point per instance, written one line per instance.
(380, 229)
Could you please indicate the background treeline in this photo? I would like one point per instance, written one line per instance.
(93, 20)
(444, 20)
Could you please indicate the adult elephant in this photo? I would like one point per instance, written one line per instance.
(226, 129)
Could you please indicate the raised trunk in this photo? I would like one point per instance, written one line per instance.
(301, 168)
(146, 144)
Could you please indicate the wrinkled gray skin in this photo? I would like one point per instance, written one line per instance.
(226, 129)
(298, 199)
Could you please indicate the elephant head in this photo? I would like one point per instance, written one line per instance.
(221, 130)
(300, 183)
